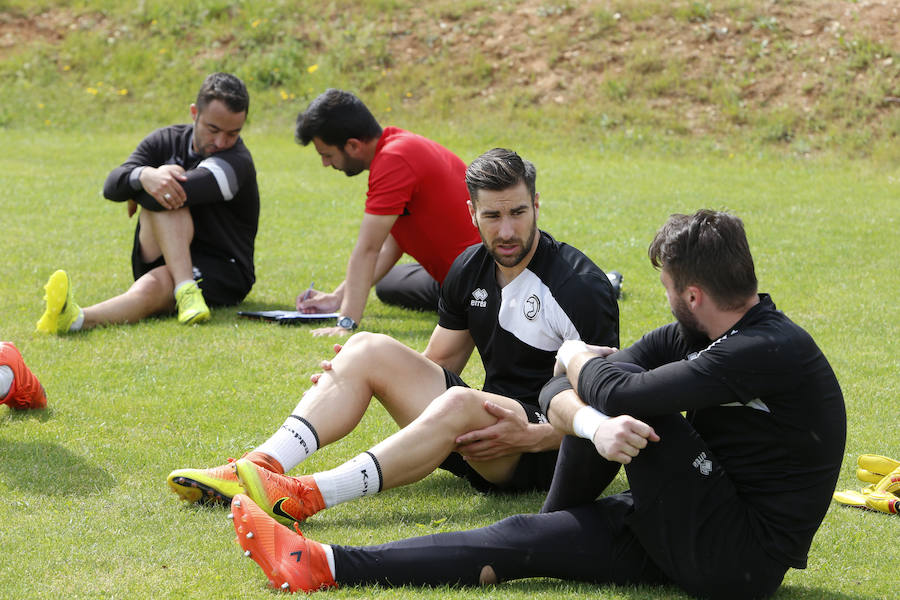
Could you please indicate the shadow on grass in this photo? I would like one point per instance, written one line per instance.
(49, 469)
(43, 415)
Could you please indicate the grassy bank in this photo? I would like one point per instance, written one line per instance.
(797, 77)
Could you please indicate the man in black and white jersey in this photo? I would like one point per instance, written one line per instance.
(516, 297)
(722, 501)
(194, 240)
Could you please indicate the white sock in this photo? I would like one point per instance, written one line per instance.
(181, 285)
(6, 380)
(360, 476)
(329, 554)
(293, 443)
(78, 322)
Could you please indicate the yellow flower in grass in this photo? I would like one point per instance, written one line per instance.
(312, 68)
(122, 92)
(92, 91)
(255, 23)
(284, 94)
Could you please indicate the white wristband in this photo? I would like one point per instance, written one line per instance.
(587, 421)
(569, 349)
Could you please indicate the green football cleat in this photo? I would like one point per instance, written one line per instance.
(191, 305)
(206, 486)
(61, 310)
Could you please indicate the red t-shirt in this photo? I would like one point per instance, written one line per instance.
(425, 184)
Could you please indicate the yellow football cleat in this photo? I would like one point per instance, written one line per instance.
(217, 485)
(192, 307)
(61, 310)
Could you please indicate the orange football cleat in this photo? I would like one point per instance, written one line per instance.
(26, 391)
(290, 561)
(286, 499)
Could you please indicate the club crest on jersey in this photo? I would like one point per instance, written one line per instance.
(531, 307)
(478, 298)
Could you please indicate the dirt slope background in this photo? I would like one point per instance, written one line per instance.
(802, 73)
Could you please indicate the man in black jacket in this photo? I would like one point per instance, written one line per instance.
(193, 244)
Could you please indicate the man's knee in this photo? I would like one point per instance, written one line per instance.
(458, 405)
(374, 345)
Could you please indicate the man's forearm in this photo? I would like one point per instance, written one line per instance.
(360, 270)
(562, 410)
(546, 437)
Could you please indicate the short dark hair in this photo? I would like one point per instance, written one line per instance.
(226, 88)
(708, 249)
(334, 117)
(499, 169)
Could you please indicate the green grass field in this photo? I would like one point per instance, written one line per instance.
(85, 512)
(86, 508)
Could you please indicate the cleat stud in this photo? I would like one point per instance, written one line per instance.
(237, 503)
(285, 585)
(249, 535)
(231, 516)
(247, 553)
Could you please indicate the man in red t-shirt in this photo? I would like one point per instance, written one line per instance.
(416, 204)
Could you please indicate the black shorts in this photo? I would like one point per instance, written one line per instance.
(222, 281)
(533, 473)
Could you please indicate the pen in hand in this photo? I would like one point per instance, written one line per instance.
(306, 295)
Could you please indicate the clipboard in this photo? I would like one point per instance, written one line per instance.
(286, 317)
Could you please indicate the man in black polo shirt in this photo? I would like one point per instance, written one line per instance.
(723, 500)
(193, 244)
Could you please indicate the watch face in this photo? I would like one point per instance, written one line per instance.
(346, 323)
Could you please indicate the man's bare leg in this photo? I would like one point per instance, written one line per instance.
(418, 449)
(405, 457)
(369, 365)
(167, 234)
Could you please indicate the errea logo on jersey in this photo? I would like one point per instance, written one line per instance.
(478, 298)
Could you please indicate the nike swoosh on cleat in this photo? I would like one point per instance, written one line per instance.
(277, 510)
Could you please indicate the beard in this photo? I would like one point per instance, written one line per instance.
(353, 166)
(506, 260)
(688, 326)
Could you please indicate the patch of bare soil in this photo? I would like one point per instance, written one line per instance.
(777, 54)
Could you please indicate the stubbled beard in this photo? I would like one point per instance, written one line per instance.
(511, 261)
(689, 326)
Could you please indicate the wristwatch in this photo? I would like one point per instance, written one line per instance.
(347, 323)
